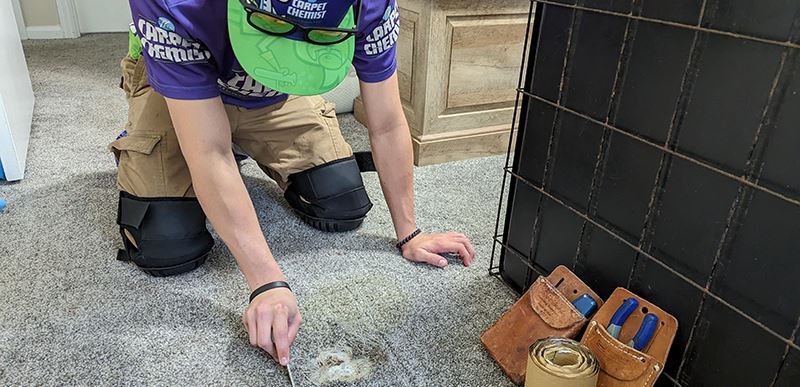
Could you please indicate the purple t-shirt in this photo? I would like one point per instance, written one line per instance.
(188, 55)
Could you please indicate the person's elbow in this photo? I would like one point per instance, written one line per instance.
(383, 108)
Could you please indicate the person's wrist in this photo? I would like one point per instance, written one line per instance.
(405, 230)
(403, 243)
(263, 275)
(267, 287)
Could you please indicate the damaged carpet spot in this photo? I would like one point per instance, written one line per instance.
(352, 318)
(338, 366)
(362, 302)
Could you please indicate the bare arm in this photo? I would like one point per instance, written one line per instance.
(390, 139)
(204, 134)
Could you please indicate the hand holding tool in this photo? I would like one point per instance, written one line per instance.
(619, 317)
(645, 332)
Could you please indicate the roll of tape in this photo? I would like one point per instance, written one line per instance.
(560, 362)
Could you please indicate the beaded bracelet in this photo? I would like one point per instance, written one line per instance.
(405, 240)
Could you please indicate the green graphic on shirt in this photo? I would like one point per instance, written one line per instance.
(286, 65)
(134, 45)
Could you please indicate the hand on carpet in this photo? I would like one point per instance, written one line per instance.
(272, 320)
(425, 248)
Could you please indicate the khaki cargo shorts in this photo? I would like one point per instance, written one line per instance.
(284, 138)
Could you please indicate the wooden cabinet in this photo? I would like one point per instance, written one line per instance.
(458, 67)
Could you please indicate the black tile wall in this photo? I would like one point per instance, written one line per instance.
(604, 262)
(526, 204)
(570, 2)
(761, 273)
(695, 206)
(533, 156)
(679, 11)
(622, 6)
(771, 19)
(708, 185)
(622, 201)
(575, 159)
(789, 375)
(732, 87)
(558, 239)
(514, 272)
(665, 382)
(647, 102)
(781, 164)
(549, 62)
(597, 51)
(756, 359)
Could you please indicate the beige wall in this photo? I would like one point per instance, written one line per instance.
(39, 12)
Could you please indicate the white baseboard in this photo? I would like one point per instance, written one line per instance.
(45, 32)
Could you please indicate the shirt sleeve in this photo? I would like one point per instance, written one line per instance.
(375, 57)
(178, 66)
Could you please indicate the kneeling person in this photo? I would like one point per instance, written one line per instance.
(202, 75)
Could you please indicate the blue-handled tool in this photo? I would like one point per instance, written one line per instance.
(585, 304)
(645, 332)
(2, 205)
(619, 317)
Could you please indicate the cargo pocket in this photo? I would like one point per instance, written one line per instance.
(141, 167)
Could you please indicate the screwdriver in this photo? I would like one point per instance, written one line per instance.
(289, 370)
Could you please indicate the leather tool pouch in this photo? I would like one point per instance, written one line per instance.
(621, 365)
(544, 310)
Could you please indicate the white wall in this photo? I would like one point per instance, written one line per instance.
(53, 19)
(16, 97)
(103, 15)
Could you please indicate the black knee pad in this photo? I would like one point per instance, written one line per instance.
(330, 197)
(170, 234)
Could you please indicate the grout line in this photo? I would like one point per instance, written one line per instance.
(673, 380)
(663, 148)
(737, 210)
(657, 261)
(787, 43)
(690, 73)
(785, 355)
(555, 129)
(733, 213)
(631, 28)
(768, 118)
(687, 89)
(773, 119)
(702, 13)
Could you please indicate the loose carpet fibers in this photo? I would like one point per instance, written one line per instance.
(72, 315)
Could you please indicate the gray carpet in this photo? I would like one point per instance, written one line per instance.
(70, 314)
